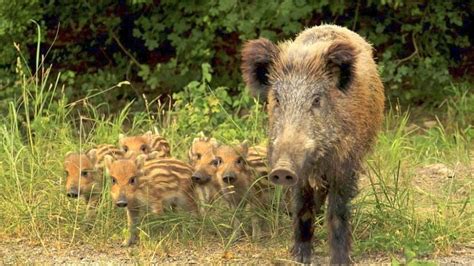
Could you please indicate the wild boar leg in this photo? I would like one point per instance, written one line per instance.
(256, 228)
(91, 211)
(320, 195)
(340, 194)
(303, 216)
(133, 216)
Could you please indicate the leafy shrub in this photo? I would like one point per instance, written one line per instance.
(214, 111)
(162, 47)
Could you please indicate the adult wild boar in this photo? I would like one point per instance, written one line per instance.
(325, 104)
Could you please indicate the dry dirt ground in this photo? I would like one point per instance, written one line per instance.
(23, 251)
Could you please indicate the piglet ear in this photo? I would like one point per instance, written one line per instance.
(108, 160)
(196, 140)
(166, 149)
(191, 149)
(69, 153)
(340, 58)
(215, 144)
(92, 155)
(257, 59)
(147, 134)
(153, 155)
(201, 135)
(140, 160)
(244, 146)
(121, 139)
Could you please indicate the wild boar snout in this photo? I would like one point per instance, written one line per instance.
(283, 176)
(121, 202)
(200, 177)
(72, 192)
(229, 177)
(289, 155)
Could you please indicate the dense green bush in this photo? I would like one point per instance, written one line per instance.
(216, 112)
(421, 45)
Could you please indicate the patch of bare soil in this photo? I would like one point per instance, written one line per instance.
(437, 178)
(23, 251)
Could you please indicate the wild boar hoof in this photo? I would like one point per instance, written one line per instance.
(302, 252)
(256, 236)
(129, 242)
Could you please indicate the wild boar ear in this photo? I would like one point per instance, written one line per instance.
(190, 154)
(195, 140)
(147, 135)
(121, 138)
(257, 59)
(201, 135)
(140, 160)
(153, 155)
(108, 160)
(341, 56)
(165, 147)
(244, 148)
(214, 143)
(69, 153)
(92, 155)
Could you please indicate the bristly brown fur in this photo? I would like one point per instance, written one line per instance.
(89, 186)
(154, 184)
(343, 56)
(145, 144)
(201, 157)
(241, 183)
(257, 160)
(257, 56)
(335, 59)
(325, 105)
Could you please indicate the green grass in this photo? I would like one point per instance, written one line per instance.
(398, 211)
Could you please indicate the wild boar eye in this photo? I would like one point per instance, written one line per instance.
(317, 102)
(216, 162)
(133, 181)
(84, 173)
(114, 181)
(277, 100)
(239, 161)
(125, 148)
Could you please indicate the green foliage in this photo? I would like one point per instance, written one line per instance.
(15, 26)
(204, 105)
(416, 63)
(16, 33)
(200, 108)
(162, 47)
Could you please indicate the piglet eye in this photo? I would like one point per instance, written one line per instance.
(84, 173)
(198, 156)
(114, 181)
(216, 162)
(125, 148)
(133, 181)
(143, 148)
(240, 161)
